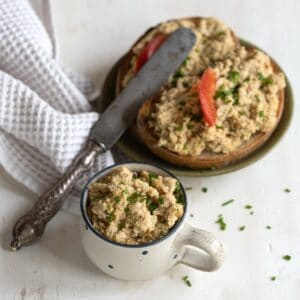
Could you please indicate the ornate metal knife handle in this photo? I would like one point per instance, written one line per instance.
(30, 227)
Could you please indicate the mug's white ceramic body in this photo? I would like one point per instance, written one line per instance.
(183, 244)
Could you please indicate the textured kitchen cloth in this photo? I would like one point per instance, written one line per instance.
(45, 115)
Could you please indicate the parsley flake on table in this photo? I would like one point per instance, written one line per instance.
(287, 257)
(204, 189)
(248, 206)
(286, 190)
(268, 227)
(221, 222)
(242, 228)
(273, 278)
(186, 280)
(188, 188)
(227, 202)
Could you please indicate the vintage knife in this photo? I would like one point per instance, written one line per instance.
(107, 130)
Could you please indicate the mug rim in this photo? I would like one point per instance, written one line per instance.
(102, 236)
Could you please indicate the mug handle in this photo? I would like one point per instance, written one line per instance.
(200, 249)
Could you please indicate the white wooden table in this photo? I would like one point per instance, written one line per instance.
(92, 35)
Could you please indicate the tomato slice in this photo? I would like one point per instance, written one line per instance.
(206, 92)
(149, 50)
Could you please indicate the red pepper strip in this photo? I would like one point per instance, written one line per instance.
(206, 92)
(149, 50)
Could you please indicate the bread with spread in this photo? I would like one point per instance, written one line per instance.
(222, 104)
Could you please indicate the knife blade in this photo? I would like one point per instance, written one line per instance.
(123, 110)
(111, 124)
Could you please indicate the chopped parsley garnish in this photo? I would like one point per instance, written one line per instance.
(126, 209)
(142, 198)
(151, 177)
(197, 50)
(287, 190)
(185, 61)
(185, 84)
(178, 74)
(268, 227)
(133, 197)
(257, 98)
(179, 127)
(242, 228)
(190, 126)
(186, 280)
(221, 222)
(261, 113)
(110, 217)
(273, 278)
(227, 202)
(220, 35)
(117, 199)
(178, 194)
(174, 83)
(161, 200)
(224, 94)
(188, 188)
(234, 76)
(125, 192)
(204, 190)
(248, 206)
(287, 257)
(219, 127)
(235, 95)
(152, 206)
(264, 80)
(251, 212)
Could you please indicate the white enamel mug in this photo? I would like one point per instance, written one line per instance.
(183, 244)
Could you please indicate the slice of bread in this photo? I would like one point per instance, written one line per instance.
(125, 63)
(142, 130)
(206, 159)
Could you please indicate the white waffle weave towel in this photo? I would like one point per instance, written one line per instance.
(45, 116)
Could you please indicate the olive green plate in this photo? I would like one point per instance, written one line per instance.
(137, 151)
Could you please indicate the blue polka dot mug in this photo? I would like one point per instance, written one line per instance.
(183, 244)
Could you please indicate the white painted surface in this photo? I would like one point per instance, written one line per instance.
(92, 35)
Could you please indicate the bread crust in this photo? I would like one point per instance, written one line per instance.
(206, 160)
